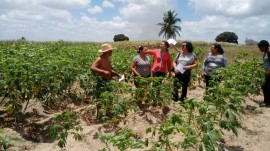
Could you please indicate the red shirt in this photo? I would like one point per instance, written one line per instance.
(160, 63)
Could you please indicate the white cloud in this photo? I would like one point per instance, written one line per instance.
(57, 4)
(246, 18)
(107, 4)
(76, 20)
(95, 9)
(117, 19)
(63, 4)
(233, 8)
(132, 10)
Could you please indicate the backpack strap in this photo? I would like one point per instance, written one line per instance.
(178, 55)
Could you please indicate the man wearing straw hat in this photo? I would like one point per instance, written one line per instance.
(102, 66)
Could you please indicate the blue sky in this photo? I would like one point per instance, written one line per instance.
(100, 20)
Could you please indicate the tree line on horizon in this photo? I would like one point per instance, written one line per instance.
(169, 30)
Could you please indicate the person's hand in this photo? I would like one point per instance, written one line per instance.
(134, 47)
(169, 75)
(176, 72)
(268, 72)
(186, 67)
(202, 75)
(107, 74)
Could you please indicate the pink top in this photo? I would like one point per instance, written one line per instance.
(160, 63)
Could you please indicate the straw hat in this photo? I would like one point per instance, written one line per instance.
(105, 47)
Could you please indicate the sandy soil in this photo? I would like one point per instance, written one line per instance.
(255, 135)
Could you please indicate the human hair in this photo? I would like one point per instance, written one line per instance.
(166, 44)
(140, 48)
(263, 43)
(189, 46)
(219, 48)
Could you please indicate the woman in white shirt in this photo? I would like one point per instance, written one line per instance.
(183, 63)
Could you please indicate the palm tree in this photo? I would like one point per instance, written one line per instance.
(169, 29)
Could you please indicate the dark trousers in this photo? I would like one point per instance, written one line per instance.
(207, 80)
(183, 81)
(266, 90)
(210, 81)
(159, 74)
(102, 86)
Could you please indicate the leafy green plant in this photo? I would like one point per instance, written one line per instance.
(123, 140)
(62, 126)
(5, 141)
(115, 105)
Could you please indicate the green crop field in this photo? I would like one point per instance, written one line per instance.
(57, 74)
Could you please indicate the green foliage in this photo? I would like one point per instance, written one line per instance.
(169, 29)
(62, 125)
(39, 71)
(123, 140)
(201, 123)
(120, 37)
(152, 93)
(5, 141)
(114, 105)
(230, 37)
(48, 71)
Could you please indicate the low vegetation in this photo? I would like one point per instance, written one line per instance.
(57, 74)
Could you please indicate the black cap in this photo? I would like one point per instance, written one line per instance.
(263, 43)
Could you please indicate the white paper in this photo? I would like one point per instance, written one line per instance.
(122, 78)
(180, 68)
(171, 41)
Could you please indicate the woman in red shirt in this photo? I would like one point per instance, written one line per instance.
(162, 60)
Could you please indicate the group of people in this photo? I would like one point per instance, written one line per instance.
(163, 66)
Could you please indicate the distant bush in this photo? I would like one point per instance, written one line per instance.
(230, 37)
(120, 37)
(250, 42)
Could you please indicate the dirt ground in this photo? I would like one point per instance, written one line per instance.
(255, 135)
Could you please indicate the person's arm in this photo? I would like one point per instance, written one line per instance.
(174, 66)
(177, 49)
(203, 68)
(150, 66)
(134, 47)
(169, 66)
(194, 65)
(115, 74)
(132, 67)
(151, 52)
(97, 70)
(225, 60)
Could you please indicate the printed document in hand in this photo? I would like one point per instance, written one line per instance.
(180, 68)
(122, 78)
(171, 41)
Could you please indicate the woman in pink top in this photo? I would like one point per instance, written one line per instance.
(162, 60)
